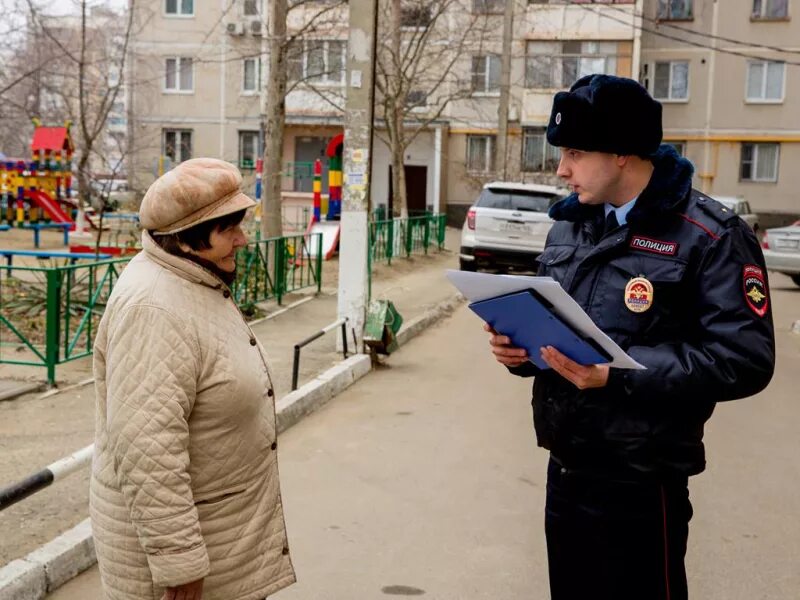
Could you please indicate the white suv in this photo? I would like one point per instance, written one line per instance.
(507, 226)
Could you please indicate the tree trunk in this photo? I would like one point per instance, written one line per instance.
(505, 84)
(271, 222)
(397, 137)
(399, 205)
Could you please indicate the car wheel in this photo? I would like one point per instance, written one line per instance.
(796, 279)
(468, 265)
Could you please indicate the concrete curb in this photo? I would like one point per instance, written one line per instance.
(49, 567)
(416, 326)
(21, 390)
(55, 563)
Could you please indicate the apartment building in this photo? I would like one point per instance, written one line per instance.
(554, 43)
(728, 75)
(196, 77)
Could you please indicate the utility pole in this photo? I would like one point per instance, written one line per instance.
(359, 110)
(505, 90)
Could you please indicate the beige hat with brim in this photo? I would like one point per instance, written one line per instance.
(197, 190)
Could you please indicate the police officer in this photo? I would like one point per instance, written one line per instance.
(679, 282)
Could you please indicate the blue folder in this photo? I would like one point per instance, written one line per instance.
(527, 319)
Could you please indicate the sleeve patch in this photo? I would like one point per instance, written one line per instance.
(755, 289)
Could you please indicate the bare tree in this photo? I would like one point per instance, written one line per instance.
(288, 27)
(422, 45)
(72, 68)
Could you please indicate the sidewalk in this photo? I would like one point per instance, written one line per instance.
(420, 480)
(35, 431)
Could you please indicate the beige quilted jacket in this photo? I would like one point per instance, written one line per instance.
(185, 474)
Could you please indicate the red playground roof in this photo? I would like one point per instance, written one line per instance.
(51, 138)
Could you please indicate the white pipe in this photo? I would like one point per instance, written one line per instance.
(75, 461)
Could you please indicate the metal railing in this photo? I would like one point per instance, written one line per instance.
(274, 267)
(52, 313)
(403, 237)
(49, 314)
(297, 347)
(42, 479)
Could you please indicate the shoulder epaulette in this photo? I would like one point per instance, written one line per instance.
(716, 210)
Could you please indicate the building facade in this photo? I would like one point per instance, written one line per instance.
(198, 72)
(729, 80)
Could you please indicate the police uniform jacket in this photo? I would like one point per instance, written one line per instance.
(701, 323)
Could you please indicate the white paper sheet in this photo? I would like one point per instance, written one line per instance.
(482, 286)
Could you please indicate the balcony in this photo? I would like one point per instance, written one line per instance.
(591, 21)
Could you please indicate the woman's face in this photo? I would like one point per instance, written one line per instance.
(224, 244)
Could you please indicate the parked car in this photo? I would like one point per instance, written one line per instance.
(507, 226)
(741, 207)
(782, 250)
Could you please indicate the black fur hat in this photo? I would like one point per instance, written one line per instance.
(604, 113)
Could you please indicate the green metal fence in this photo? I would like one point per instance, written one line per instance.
(391, 238)
(274, 267)
(49, 314)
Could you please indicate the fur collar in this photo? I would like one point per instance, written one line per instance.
(668, 189)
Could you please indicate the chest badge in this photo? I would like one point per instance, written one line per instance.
(639, 295)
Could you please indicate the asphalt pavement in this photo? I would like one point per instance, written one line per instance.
(423, 479)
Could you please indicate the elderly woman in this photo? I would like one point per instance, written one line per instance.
(185, 501)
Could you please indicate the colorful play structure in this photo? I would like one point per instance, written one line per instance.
(36, 191)
(330, 227)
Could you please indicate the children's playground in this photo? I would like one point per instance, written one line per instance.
(59, 261)
(38, 208)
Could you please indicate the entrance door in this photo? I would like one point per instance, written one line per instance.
(307, 149)
(416, 189)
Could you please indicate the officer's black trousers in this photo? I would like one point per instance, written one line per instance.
(615, 540)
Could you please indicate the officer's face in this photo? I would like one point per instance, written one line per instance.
(592, 175)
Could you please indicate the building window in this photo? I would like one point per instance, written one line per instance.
(770, 9)
(537, 154)
(557, 65)
(177, 144)
(183, 8)
(765, 81)
(486, 73)
(760, 162)
(671, 80)
(480, 153)
(674, 10)
(415, 16)
(416, 98)
(251, 75)
(248, 149)
(488, 7)
(179, 76)
(317, 61)
(680, 147)
(251, 8)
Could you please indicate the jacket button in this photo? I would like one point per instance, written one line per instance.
(226, 294)
(285, 551)
(253, 341)
(270, 393)
(274, 445)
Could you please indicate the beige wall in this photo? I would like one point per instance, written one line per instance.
(716, 126)
(764, 197)
(217, 110)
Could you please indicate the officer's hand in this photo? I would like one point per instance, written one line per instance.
(504, 352)
(592, 376)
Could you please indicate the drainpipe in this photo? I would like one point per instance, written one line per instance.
(708, 172)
